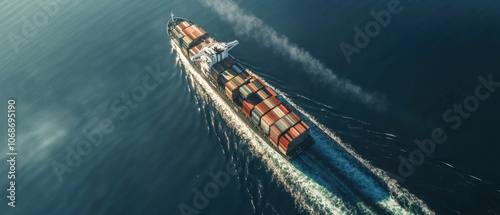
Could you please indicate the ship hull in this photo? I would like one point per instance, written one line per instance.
(237, 109)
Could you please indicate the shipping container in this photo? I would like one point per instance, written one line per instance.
(305, 125)
(291, 119)
(196, 49)
(203, 32)
(233, 85)
(263, 94)
(258, 97)
(186, 42)
(266, 106)
(258, 112)
(272, 101)
(194, 32)
(293, 137)
(245, 91)
(249, 89)
(271, 91)
(183, 25)
(177, 34)
(267, 121)
(247, 108)
(228, 74)
(237, 68)
(279, 128)
(270, 118)
(273, 134)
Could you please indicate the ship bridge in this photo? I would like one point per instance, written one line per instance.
(213, 53)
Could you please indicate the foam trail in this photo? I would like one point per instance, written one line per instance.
(396, 192)
(303, 189)
(247, 24)
(295, 181)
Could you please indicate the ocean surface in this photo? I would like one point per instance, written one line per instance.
(72, 65)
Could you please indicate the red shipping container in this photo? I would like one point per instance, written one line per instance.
(284, 108)
(273, 141)
(261, 109)
(284, 144)
(247, 108)
(300, 128)
(183, 25)
(284, 148)
(305, 125)
(260, 81)
(271, 91)
(284, 140)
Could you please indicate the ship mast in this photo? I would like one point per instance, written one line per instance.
(172, 15)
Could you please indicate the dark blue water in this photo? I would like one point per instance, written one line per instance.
(75, 65)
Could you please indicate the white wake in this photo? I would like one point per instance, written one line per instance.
(301, 187)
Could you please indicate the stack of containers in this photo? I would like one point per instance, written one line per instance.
(178, 31)
(181, 26)
(232, 86)
(262, 108)
(251, 88)
(291, 118)
(257, 99)
(227, 75)
(294, 136)
(195, 50)
(183, 40)
(281, 126)
(263, 94)
(178, 35)
(194, 32)
(220, 67)
(259, 96)
(247, 108)
(271, 91)
(272, 117)
(186, 42)
(215, 71)
(238, 67)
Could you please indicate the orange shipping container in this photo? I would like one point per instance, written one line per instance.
(305, 125)
(247, 108)
(271, 91)
(183, 25)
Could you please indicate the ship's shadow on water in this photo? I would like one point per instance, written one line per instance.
(332, 167)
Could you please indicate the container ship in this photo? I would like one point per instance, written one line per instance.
(251, 99)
